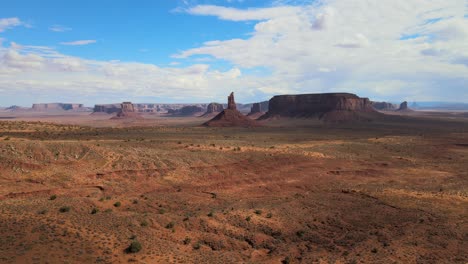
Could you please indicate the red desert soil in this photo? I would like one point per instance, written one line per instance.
(393, 192)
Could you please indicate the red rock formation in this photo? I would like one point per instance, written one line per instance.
(328, 106)
(213, 109)
(127, 111)
(384, 106)
(231, 102)
(256, 111)
(403, 106)
(188, 110)
(231, 117)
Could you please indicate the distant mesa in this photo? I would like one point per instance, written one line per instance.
(256, 111)
(107, 108)
(189, 110)
(57, 107)
(329, 107)
(384, 106)
(127, 111)
(213, 109)
(231, 117)
(404, 107)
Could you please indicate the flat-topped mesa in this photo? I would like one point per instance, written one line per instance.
(384, 106)
(231, 102)
(214, 108)
(127, 107)
(326, 106)
(127, 110)
(188, 110)
(256, 108)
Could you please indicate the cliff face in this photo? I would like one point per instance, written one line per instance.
(127, 110)
(384, 106)
(188, 110)
(327, 106)
(214, 108)
(317, 104)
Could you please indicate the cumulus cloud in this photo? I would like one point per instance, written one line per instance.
(351, 45)
(386, 50)
(79, 42)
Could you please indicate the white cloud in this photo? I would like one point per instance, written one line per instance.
(387, 50)
(7, 23)
(59, 28)
(360, 40)
(234, 14)
(79, 42)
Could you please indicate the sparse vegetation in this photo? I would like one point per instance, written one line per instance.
(64, 209)
(134, 247)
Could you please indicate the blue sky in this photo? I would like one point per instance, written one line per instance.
(198, 51)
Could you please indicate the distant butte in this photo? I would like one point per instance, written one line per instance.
(127, 111)
(231, 117)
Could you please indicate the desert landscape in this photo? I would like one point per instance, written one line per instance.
(324, 185)
(234, 132)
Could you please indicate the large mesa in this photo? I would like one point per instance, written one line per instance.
(327, 107)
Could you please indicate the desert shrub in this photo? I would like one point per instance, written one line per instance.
(135, 201)
(269, 215)
(53, 197)
(134, 247)
(44, 211)
(161, 211)
(248, 218)
(170, 225)
(94, 211)
(7, 138)
(187, 240)
(117, 204)
(258, 212)
(144, 223)
(64, 209)
(108, 210)
(286, 260)
(374, 250)
(197, 246)
(300, 233)
(210, 214)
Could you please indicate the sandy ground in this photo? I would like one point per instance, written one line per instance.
(298, 191)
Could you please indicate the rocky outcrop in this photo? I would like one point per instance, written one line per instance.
(384, 106)
(231, 102)
(403, 106)
(56, 107)
(189, 110)
(127, 111)
(327, 107)
(107, 108)
(214, 108)
(256, 111)
(231, 117)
